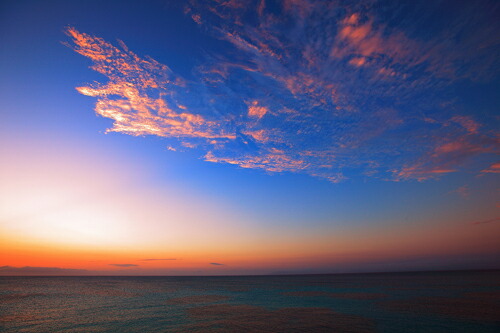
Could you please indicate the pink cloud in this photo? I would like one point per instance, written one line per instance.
(258, 135)
(467, 123)
(256, 111)
(301, 8)
(358, 61)
(196, 18)
(486, 221)
(420, 173)
(444, 159)
(274, 160)
(363, 40)
(125, 100)
(304, 100)
(494, 168)
(463, 191)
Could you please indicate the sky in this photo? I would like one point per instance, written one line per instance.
(226, 137)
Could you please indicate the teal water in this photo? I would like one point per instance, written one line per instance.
(404, 302)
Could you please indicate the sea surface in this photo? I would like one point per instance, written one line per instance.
(396, 302)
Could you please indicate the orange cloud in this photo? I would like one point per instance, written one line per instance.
(125, 99)
(358, 61)
(274, 161)
(467, 123)
(363, 39)
(260, 135)
(420, 173)
(294, 95)
(494, 168)
(445, 157)
(257, 111)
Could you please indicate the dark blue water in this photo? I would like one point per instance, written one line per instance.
(409, 302)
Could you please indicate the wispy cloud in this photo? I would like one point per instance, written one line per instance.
(463, 191)
(447, 155)
(28, 270)
(486, 221)
(124, 265)
(216, 264)
(330, 89)
(157, 259)
(494, 168)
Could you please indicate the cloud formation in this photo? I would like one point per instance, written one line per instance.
(329, 89)
(462, 191)
(216, 264)
(494, 168)
(34, 271)
(486, 221)
(124, 265)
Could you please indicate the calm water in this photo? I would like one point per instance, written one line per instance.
(412, 302)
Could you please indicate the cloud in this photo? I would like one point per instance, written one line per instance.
(254, 110)
(274, 160)
(486, 221)
(157, 259)
(33, 271)
(463, 191)
(125, 100)
(468, 123)
(494, 168)
(216, 264)
(447, 155)
(124, 265)
(329, 89)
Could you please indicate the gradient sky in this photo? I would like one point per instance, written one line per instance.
(248, 137)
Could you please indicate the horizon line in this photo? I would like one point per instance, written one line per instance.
(278, 274)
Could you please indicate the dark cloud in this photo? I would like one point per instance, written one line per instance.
(157, 259)
(28, 270)
(124, 265)
(486, 221)
(216, 264)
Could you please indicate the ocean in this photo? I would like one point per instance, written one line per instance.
(383, 302)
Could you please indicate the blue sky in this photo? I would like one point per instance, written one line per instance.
(297, 117)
